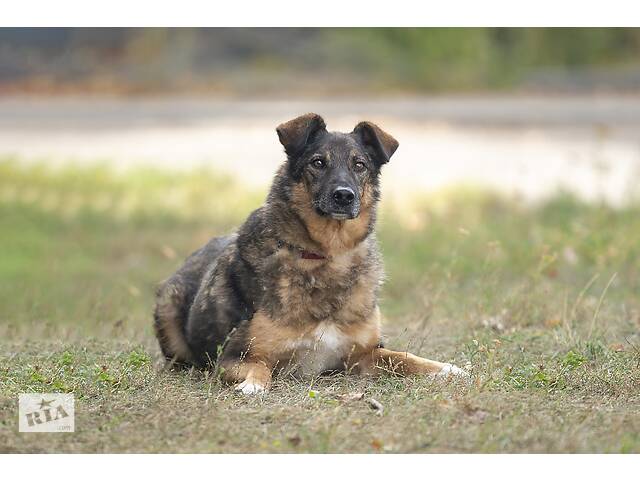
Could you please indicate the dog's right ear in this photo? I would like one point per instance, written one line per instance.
(296, 134)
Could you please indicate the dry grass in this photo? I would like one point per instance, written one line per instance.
(539, 302)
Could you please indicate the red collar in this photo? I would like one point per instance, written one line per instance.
(304, 254)
(307, 255)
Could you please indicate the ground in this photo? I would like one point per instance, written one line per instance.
(538, 301)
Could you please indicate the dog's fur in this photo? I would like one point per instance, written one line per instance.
(297, 286)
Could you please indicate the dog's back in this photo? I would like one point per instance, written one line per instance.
(176, 295)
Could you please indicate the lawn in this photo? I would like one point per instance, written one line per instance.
(540, 302)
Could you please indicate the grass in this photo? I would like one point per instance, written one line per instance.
(540, 302)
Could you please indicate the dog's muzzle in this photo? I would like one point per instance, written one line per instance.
(342, 204)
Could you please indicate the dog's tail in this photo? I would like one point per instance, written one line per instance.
(170, 319)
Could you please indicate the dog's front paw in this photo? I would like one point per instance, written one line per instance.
(248, 387)
(451, 370)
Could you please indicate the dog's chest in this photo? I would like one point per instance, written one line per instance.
(341, 295)
(324, 348)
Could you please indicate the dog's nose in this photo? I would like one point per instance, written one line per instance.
(343, 196)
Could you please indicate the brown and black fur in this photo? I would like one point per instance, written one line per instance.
(246, 300)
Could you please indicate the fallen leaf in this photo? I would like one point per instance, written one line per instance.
(376, 405)
(351, 397)
(377, 444)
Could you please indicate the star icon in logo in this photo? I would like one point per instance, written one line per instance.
(45, 403)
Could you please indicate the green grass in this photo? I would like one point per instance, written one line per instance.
(540, 302)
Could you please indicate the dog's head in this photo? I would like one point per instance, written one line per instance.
(340, 170)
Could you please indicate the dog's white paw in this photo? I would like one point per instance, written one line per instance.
(451, 370)
(250, 388)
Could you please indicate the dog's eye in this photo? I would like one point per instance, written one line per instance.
(359, 166)
(318, 163)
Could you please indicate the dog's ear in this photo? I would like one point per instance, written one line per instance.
(379, 144)
(296, 134)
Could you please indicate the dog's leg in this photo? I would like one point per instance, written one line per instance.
(250, 376)
(381, 360)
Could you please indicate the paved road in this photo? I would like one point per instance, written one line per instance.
(466, 110)
(530, 146)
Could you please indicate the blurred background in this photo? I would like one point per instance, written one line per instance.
(304, 61)
(122, 150)
(526, 111)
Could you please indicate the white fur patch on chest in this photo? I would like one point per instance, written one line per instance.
(324, 348)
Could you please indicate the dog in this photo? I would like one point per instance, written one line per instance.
(296, 288)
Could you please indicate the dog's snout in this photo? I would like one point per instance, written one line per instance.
(343, 196)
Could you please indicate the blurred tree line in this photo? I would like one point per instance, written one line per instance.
(270, 60)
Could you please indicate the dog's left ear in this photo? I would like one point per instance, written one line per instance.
(379, 144)
(295, 134)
